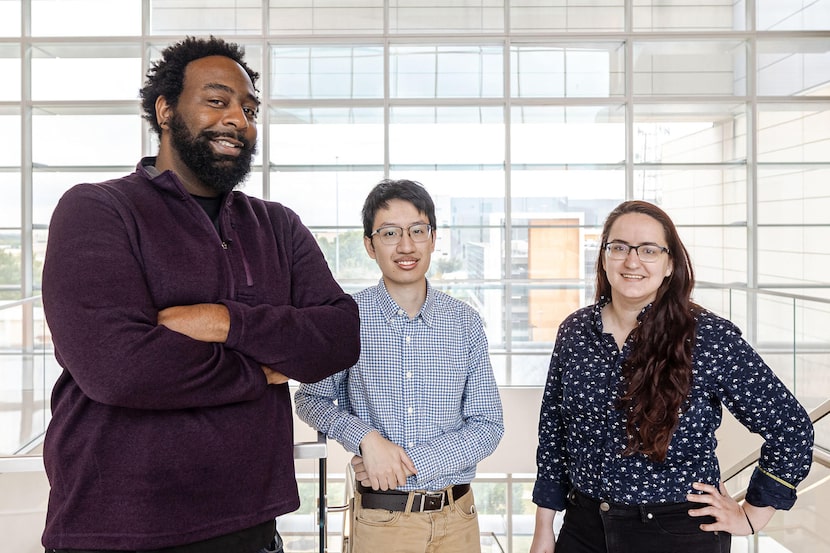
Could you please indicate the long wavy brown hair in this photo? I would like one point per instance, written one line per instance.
(658, 373)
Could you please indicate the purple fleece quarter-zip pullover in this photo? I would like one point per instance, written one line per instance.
(157, 439)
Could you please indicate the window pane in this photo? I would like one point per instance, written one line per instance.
(793, 133)
(10, 123)
(347, 190)
(567, 15)
(689, 68)
(9, 280)
(10, 206)
(689, 15)
(794, 67)
(705, 195)
(718, 254)
(346, 255)
(545, 136)
(253, 183)
(451, 136)
(561, 71)
(99, 18)
(445, 71)
(221, 17)
(10, 17)
(10, 69)
(786, 15)
(327, 137)
(327, 72)
(794, 255)
(689, 133)
(459, 16)
(793, 195)
(96, 71)
(326, 17)
(74, 138)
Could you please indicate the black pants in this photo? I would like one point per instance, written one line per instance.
(592, 526)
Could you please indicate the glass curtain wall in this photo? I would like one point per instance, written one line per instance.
(526, 120)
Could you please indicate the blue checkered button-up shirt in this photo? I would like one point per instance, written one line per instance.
(425, 384)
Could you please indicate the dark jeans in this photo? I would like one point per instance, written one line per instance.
(274, 547)
(599, 527)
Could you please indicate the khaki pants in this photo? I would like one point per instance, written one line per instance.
(453, 529)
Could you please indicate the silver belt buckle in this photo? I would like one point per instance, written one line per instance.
(432, 495)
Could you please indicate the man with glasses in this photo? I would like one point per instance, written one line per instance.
(421, 407)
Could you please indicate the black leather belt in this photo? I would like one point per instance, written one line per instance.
(394, 500)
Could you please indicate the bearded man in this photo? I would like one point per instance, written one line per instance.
(179, 308)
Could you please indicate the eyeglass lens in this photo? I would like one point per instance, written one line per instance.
(393, 235)
(647, 253)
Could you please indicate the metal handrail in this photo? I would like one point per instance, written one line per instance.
(34, 463)
(18, 303)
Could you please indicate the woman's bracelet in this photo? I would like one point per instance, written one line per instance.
(748, 521)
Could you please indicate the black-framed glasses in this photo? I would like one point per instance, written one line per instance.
(648, 253)
(419, 232)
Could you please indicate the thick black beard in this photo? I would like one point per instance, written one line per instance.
(218, 172)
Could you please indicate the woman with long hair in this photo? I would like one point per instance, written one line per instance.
(632, 401)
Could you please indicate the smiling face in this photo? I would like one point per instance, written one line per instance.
(633, 281)
(209, 137)
(405, 264)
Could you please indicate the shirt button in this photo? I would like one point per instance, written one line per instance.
(410, 410)
(410, 444)
(408, 339)
(409, 374)
(400, 311)
(604, 507)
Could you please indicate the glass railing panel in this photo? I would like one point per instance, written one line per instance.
(27, 373)
(790, 334)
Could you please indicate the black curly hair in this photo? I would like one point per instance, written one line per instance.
(166, 76)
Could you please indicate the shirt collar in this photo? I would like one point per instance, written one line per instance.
(603, 301)
(167, 179)
(390, 308)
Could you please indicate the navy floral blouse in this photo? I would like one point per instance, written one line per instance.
(582, 435)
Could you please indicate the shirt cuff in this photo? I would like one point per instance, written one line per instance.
(765, 490)
(551, 495)
(354, 434)
(237, 327)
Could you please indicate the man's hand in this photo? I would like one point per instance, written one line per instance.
(206, 322)
(384, 465)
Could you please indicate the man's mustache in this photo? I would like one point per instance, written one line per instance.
(238, 137)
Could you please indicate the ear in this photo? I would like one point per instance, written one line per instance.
(163, 112)
(370, 248)
(669, 269)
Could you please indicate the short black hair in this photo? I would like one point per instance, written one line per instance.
(402, 189)
(166, 76)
